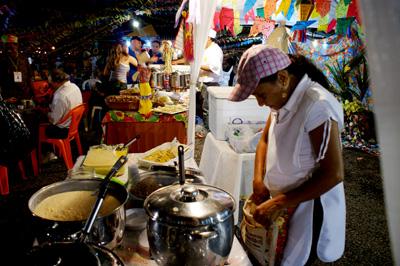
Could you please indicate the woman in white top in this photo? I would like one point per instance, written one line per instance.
(117, 67)
(299, 158)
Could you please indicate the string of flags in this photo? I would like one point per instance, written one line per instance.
(332, 15)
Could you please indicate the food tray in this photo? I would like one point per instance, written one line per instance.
(142, 162)
(123, 102)
(170, 109)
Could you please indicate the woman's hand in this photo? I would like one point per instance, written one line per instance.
(269, 210)
(260, 192)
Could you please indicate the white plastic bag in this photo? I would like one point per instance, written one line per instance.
(243, 136)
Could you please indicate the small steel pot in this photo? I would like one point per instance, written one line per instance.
(190, 225)
(107, 230)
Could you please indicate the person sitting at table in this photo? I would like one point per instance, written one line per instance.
(117, 67)
(66, 97)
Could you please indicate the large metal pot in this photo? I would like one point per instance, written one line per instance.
(191, 224)
(160, 176)
(107, 230)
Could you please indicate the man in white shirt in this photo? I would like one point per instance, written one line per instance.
(210, 73)
(66, 97)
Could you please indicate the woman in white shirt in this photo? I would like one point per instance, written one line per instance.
(299, 158)
(117, 67)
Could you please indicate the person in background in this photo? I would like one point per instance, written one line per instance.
(15, 72)
(118, 66)
(139, 54)
(66, 97)
(155, 54)
(298, 161)
(210, 74)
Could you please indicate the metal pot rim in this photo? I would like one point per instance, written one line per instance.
(61, 183)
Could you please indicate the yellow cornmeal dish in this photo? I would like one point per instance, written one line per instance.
(162, 156)
(103, 158)
(73, 206)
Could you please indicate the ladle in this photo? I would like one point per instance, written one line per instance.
(181, 160)
(103, 192)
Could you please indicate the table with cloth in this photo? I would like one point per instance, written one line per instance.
(224, 168)
(129, 250)
(154, 129)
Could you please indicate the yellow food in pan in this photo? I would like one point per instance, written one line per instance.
(162, 156)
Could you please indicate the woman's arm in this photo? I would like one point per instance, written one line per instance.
(329, 173)
(260, 192)
(133, 61)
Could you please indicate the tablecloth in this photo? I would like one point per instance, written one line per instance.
(154, 129)
(128, 250)
(224, 168)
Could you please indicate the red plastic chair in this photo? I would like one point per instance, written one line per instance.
(64, 145)
(4, 187)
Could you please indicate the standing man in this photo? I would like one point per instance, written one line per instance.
(134, 50)
(15, 72)
(210, 73)
(155, 54)
(140, 55)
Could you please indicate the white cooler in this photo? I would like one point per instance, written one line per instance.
(222, 111)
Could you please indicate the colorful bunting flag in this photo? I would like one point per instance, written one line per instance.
(341, 9)
(236, 22)
(284, 7)
(291, 10)
(226, 19)
(260, 12)
(323, 24)
(323, 7)
(269, 7)
(343, 26)
(248, 5)
(314, 14)
(353, 11)
(249, 16)
(331, 26)
(347, 2)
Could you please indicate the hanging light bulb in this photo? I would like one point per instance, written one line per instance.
(135, 23)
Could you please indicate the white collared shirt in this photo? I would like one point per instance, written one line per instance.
(65, 98)
(291, 161)
(212, 58)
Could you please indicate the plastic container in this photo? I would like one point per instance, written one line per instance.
(222, 111)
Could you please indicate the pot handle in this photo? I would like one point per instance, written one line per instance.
(199, 235)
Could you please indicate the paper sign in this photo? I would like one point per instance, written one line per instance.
(17, 76)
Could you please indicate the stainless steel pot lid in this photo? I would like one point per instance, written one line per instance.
(151, 181)
(190, 204)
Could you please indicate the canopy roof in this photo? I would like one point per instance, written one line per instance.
(70, 26)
